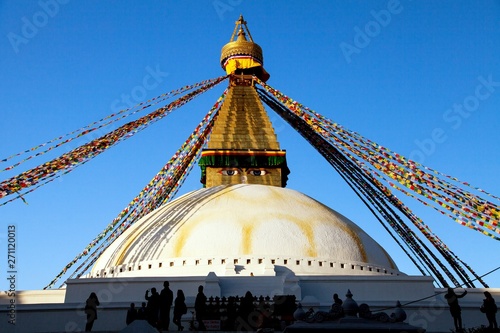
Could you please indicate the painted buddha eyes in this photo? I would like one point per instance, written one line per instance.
(235, 171)
(257, 172)
(230, 172)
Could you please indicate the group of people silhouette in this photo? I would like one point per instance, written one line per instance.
(156, 311)
(157, 308)
(488, 307)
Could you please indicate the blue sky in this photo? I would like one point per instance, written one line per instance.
(394, 71)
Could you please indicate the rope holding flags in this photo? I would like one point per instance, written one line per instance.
(78, 156)
(160, 190)
(98, 125)
(465, 207)
(367, 166)
(374, 172)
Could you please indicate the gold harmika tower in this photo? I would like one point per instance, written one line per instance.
(243, 148)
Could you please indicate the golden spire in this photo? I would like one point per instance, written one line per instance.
(243, 147)
(243, 56)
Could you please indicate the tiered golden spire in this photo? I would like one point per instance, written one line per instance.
(243, 147)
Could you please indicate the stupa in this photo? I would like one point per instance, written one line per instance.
(242, 231)
(243, 221)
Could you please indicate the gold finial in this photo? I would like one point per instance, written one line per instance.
(241, 20)
(242, 54)
(242, 25)
(241, 36)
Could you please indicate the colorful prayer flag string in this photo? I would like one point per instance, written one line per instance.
(368, 160)
(68, 161)
(463, 204)
(99, 124)
(158, 191)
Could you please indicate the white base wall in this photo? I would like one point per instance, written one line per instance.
(62, 310)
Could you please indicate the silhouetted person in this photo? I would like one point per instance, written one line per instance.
(489, 308)
(91, 311)
(337, 306)
(180, 308)
(142, 313)
(166, 299)
(200, 305)
(153, 307)
(232, 313)
(131, 314)
(245, 311)
(455, 310)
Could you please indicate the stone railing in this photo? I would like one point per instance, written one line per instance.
(251, 312)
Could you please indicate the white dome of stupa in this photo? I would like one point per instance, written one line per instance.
(243, 229)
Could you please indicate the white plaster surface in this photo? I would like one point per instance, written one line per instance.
(242, 220)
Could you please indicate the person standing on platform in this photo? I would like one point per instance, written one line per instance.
(180, 308)
(200, 305)
(131, 314)
(142, 313)
(455, 309)
(489, 308)
(153, 306)
(166, 299)
(91, 311)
